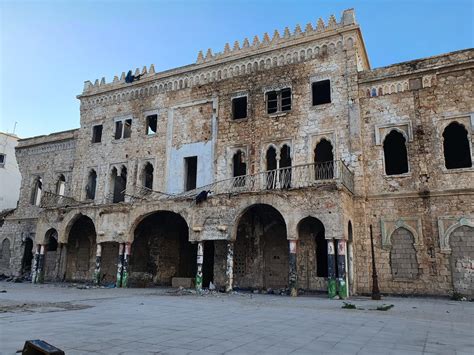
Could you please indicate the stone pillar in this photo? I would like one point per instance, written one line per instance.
(293, 275)
(63, 263)
(332, 289)
(126, 260)
(199, 260)
(98, 259)
(57, 264)
(40, 272)
(34, 268)
(341, 269)
(229, 272)
(120, 265)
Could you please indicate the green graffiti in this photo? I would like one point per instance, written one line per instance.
(332, 288)
(198, 282)
(342, 288)
(125, 279)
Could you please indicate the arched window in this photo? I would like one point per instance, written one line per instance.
(324, 160)
(271, 159)
(5, 253)
(91, 185)
(395, 154)
(52, 239)
(239, 168)
(61, 185)
(457, 153)
(148, 176)
(285, 167)
(119, 183)
(37, 190)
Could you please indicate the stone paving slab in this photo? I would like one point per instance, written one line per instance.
(150, 321)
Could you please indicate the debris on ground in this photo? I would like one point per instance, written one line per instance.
(348, 305)
(384, 307)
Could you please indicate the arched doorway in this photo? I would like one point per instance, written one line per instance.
(81, 250)
(312, 257)
(50, 257)
(462, 258)
(27, 259)
(161, 250)
(324, 160)
(261, 249)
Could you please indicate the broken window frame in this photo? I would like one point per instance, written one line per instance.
(148, 127)
(280, 101)
(123, 128)
(35, 199)
(97, 131)
(234, 110)
(147, 178)
(61, 185)
(91, 186)
(314, 86)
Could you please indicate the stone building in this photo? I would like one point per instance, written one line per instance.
(9, 173)
(262, 166)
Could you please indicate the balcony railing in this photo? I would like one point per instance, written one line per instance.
(294, 177)
(52, 200)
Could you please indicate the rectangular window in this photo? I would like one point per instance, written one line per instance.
(151, 124)
(239, 107)
(321, 92)
(123, 128)
(2, 160)
(278, 100)
(190, 171)
(97, 134)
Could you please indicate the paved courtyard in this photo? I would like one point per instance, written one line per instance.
(143, 321)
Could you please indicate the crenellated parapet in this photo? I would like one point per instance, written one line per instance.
(319, 41)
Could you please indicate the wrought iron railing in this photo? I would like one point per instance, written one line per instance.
(52, 200)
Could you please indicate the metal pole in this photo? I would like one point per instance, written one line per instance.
(375, 283)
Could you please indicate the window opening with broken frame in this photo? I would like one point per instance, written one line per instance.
(97, 134)
(278, 100)
(123, 128)
(239, 107)
(151, 124)
(321, 91)
(190, 171)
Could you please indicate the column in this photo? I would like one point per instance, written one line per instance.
(341, 269)
(126, 260)
(40, 272)
(199, 260)
(120, 265)
(34, 268)
(57, 264)
(98, 259)
(332, 290)
(293, 274)
(229, 272)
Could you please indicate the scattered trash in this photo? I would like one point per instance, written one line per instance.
(348, 305)
(458, 297)
(212, 287)
(384, 307)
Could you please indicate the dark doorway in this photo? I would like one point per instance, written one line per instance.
(27, 257)
(324, 160)
(285, 167)
(208, 265)
(271, 166)
(120, 184)
(190, 170)
(457, 152)
(395, 153)
(148, 176)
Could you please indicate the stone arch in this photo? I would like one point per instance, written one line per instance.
(403, 258)
(161, 250)
(81, 248)
(461, 241)
(261, 248)
(312, 257)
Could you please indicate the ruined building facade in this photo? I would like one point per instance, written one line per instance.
(262, 166)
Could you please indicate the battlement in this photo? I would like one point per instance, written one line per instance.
(238, 52)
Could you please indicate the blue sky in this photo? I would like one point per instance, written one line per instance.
(49, 48)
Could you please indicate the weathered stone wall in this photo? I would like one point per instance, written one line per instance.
(462, 259)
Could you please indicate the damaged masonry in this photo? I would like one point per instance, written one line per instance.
(259, 167)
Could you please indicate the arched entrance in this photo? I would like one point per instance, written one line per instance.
(161, 251)
(261, 249)
(81, 250)
(312, 257)
(27, 259)
(51, 254)
(462, 259)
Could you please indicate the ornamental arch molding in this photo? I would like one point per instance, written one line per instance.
(412, 224)
(447, 225)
